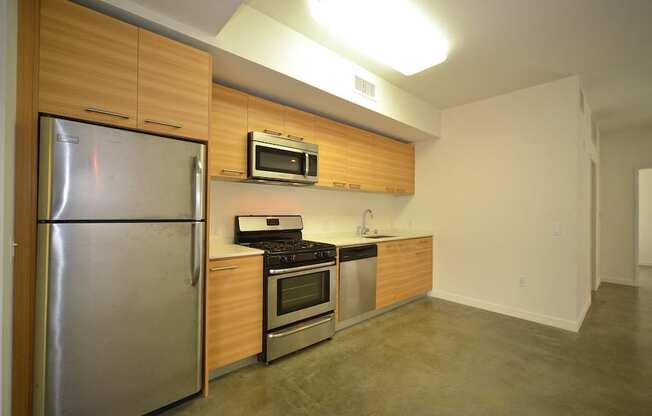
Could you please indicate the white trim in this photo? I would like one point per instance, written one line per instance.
(566, 324)
(644, 264)
(618, 280)
(583, 312)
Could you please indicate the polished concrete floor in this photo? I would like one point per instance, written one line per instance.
(438, 358)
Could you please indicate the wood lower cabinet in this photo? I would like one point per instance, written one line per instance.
(234, 310)
(228, 145)
(174, 87)
(404, 270)
(88, 65)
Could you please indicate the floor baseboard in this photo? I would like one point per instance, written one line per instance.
(617, 280)
(565, 324)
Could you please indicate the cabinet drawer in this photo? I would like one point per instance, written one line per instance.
(234, 310)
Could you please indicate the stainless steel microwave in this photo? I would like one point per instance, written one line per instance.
(277, 158)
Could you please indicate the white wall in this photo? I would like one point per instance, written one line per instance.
(645, 217)
(7, 123)
(622, 154)
(494, 190)
(324, 211)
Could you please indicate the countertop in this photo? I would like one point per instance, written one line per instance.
(350, 239)
(221, 250)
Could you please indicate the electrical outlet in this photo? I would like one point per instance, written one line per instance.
(522, 281)
(556, 229)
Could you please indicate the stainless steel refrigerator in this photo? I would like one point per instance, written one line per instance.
(120, 270)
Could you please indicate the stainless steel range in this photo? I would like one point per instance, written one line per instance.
(299, 300)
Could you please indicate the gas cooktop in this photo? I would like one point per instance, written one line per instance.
(289, 246)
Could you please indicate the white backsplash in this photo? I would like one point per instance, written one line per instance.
(323, 211)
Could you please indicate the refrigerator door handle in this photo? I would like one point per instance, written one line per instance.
(197, 244)
(197, 187)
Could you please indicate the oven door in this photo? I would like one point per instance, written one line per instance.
(296, 295)
(276, 162)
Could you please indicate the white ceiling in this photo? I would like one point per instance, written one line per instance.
(498, 46)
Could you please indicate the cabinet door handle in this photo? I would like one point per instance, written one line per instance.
(233, 172)
(295, 138)
(339, 184)
(107, 112)
(274, 132)
(161, 123)
(223, 268)
(354, 186)
(392, 190)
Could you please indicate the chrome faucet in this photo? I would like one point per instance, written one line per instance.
(364, 230)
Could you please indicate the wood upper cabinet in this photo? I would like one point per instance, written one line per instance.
(265, 116)
(88, 65)
(299, 125)
(331, 137)
(234, 310)
(94, 67)
(363, 167)
(228, 144)
(174, 87)
(404, 270)
(349, 158)
(277, 119)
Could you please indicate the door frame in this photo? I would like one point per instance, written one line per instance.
(637, 178)
(636, 221)
(594, 226)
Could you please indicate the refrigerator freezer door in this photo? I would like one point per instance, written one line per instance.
(122, 317)
(89, 172)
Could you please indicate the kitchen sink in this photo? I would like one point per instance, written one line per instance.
(378, 236)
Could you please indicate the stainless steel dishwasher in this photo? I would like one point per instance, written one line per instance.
(357, 280)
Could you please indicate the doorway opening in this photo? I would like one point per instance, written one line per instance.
(643, 275)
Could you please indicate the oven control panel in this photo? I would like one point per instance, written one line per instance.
(301, 258)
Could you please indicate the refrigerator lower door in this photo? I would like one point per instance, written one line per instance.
(89, 172)
(120, 309)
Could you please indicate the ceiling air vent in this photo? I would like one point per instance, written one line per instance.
(365, 88)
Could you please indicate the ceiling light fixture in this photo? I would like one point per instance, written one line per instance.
(392, 32)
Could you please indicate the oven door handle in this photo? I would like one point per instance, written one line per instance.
(301, 328)
(301, 268)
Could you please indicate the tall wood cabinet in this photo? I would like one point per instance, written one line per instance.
(404, 270)
(94, 67)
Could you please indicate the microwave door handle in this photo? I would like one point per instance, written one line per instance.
(306, 166)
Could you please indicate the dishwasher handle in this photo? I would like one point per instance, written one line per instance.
(358, 252)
